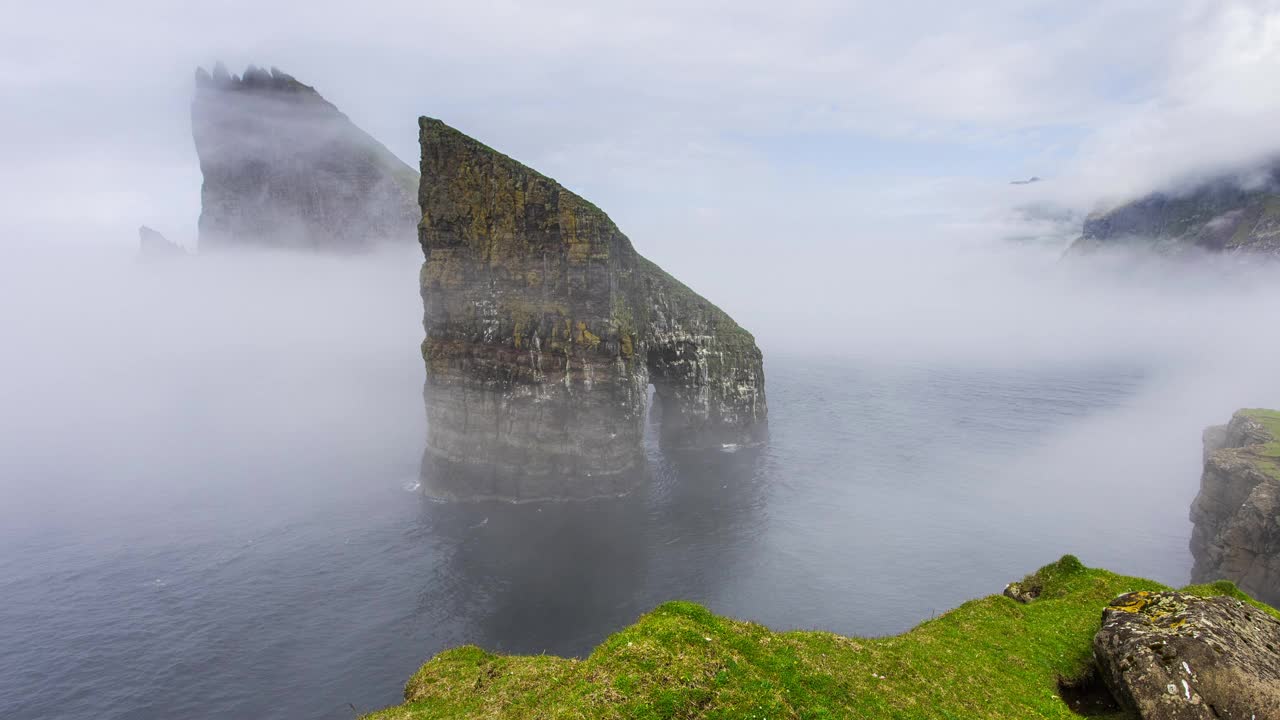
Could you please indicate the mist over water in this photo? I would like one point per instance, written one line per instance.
(207, 468)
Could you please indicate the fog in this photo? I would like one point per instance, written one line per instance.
(223, 449)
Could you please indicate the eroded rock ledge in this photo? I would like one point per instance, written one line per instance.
(544, 329)
(1237, 531)
(283, 168)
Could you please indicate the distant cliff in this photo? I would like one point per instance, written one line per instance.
(544, 329)
(154, 246)
(283, 168)
(1237, 512)
(1226, 214)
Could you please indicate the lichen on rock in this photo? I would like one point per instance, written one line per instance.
(283, 168)
(544, 329)
(1176, 656)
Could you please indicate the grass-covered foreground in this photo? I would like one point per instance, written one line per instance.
(988, 658)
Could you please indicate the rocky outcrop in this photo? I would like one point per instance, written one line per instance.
(1237, 512)
(1226, 214)
(283, 168)
(154, 246)
(1174, 656)
(544, 330)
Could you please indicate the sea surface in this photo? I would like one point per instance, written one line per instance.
(206, 529)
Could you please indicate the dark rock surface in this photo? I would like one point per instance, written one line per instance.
(1236, 535)
(1226, 214)
(1174, 656)
(283, 168)
(1023, 592)
(544, 329)
(154, 246)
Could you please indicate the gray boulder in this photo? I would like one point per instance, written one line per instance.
(1174, 656)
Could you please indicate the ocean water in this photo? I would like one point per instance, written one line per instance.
(194, 527)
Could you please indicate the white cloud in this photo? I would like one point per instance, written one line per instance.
(651, 108)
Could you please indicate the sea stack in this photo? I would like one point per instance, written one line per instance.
(284, 169)
(154, 246)
(1237, 512)
(544, 330)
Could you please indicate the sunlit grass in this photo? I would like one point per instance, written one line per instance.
(988, 658)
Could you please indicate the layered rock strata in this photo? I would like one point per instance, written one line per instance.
(283, 168)
(544, 330)
(1236, 535)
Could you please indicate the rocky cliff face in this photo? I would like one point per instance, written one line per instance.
(544, 329)
(1222, 215)
(1237, 512)
(283, 168)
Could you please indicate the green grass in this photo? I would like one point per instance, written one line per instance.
(988, 658)
(1269, 453)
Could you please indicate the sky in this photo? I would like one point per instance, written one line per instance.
(670, 114)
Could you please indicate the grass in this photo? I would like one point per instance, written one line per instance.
(988, 658)
(1268, 454)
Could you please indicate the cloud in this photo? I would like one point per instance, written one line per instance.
(652, 109)
(1214, 109)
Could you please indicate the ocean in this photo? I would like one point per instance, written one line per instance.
(210, 512)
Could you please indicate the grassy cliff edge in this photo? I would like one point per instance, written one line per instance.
(989, 658)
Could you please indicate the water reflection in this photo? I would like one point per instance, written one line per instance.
(559, 577)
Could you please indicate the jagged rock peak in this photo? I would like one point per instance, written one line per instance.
(284, 168)
(152, 245)
(253, 79)
(544, 329)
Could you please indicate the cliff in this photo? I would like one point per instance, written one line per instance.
(1236, 534)
(1221, 215)
(989, 658)
(544, 329)
(283, 168)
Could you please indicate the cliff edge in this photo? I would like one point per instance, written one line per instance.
(283, 168)
(1226, 214)
(544, 330)
(1237, 534)
(991, 658)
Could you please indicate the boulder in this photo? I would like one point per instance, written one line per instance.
(1175, 656)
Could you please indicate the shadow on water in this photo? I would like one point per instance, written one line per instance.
(559, 577)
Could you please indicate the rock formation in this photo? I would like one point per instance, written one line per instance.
(1226, 214)
(284, 169)
(1237, 512)
(1174, 656)
(544, 329)
(154, 246)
